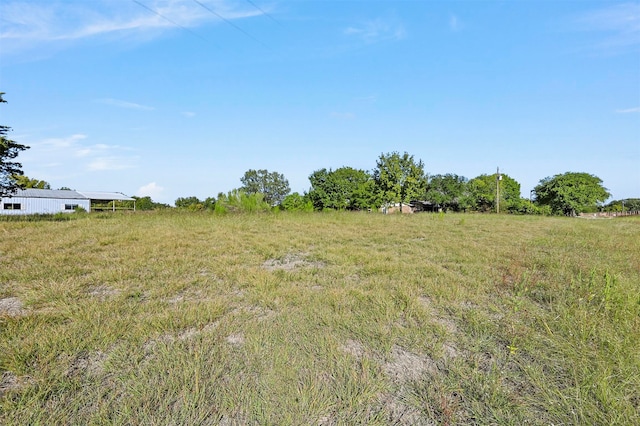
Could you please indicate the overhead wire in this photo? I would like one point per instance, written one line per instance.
(264, 12)
(169, 20)
(230, 23)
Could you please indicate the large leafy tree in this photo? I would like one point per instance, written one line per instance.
(482, 191)
(570, 193)
(272, 185)
(345, 188)
(448, 191)
(26, 182)
(399, 178)
(9, 170)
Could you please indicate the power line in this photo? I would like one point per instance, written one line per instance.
(231, 23)
(169, 20)
(263, 12)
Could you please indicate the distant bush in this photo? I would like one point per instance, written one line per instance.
(296, 202)
(237, 201)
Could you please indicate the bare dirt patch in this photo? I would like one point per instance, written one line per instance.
(11, 306)
(187, 296)
(235, 339)
(290, 262)
(258, 312)
(87, 363)
(8, 382)
(450, 351)
(425, 301)
(400, 413)
(186, 334)
(405, 366)
(103, 292)
(445, 322)
(353, 348)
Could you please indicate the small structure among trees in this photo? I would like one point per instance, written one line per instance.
(51, 201)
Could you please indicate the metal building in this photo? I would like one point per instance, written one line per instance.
(50, 201)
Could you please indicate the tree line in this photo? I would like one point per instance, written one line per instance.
(400, 179)
(397, 180)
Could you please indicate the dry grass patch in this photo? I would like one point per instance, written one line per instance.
(174, 318)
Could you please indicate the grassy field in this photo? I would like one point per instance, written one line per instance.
(320, 319)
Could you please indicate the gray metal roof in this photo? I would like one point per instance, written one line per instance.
(71, 195)
(49, 193)
(105, 196)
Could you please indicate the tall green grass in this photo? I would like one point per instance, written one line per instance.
(326, 318)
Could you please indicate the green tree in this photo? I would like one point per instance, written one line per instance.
(25, 182)
(296, 202)
(627, 205)
(571, 193)
(482, 192)
(273, 186)
(190, 203)
(345, 188)
(399, 178)
(238, 201)
(9, 150)
(448, 191)
(145, 203)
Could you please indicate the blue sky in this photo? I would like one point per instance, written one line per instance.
(172, 98)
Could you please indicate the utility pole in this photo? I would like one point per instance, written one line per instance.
(498, 179)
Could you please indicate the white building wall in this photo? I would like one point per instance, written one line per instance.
(41, 205)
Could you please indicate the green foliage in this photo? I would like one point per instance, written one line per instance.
(273, 186)
(9, 150)
(345, 188)
(25, 182)
(571, 193)
(146, 203)
(482, 192)
(628, 205)
(449, 192)
(296, 202)
(528, 207)
(238, 201)
(189, 203)
(399, 178)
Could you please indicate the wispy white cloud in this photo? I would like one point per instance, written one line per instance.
(55, 144)
(73, 154)
(188, 114)
(619, 23)
(124, 104)
(152, 189)
(628, 110)
(29, 24)
(377, 30)
(98, 150)
(110, 163)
